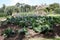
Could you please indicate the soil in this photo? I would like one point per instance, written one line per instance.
(32, 34)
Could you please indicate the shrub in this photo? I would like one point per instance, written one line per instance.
(57, 10)
(37, 23)
(8, 32)
(22, 31)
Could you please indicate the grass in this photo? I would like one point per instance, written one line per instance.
(32, 13)
(3, 14)
(27, 13)
(53, 15)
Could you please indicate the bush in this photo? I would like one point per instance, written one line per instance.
(57, 10)
(38, 24)
(22, 31)
(8, 32)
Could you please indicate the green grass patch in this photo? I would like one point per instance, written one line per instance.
(54, 15)
(3, 14)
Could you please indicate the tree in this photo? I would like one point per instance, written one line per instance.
(17, 10)
(4, 6)
(47, 8)
(9, 10)
(2, 9)
(27, 8)
(17, 4)
(54, 6)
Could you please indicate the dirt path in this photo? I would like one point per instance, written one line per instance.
(39, 38)
(2, 19)
(1, 37)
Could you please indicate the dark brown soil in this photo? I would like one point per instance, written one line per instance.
(32, 34)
